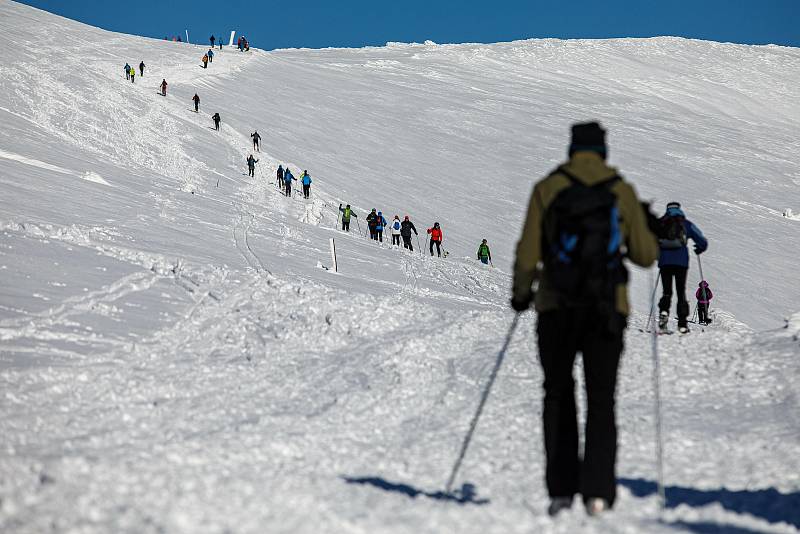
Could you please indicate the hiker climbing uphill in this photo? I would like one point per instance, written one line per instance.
(436, 238)
(251, 166)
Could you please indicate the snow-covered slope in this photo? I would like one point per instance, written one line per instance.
(174, 359)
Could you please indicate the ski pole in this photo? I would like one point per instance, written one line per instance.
(359, 225)
(418, 245)
(653, 299)
(481, 404)
(657, 406)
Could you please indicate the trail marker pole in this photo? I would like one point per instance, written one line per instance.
(333, 256)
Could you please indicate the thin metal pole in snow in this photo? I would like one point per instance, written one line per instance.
(333, 256)
(657, 394)
(481, 404)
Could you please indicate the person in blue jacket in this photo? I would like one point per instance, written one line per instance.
(287, 182)
(380, 223)
(673, 262)
(305, 179)
(127, 71)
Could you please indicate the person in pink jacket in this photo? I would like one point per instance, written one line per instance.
(703, 296)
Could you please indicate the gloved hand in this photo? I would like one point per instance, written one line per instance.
(652, 221)
(698, 250)
(521, 304)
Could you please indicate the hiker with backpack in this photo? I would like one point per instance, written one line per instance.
(216, 118)
(211, 40)
(205, 61)
(141, 68)
(347, 212)
(163, 87)
(673, 262)
(406, 227)
(396, 227)
(580, 219)
(484, 254)
(380, 224)
(210, 55)
(372, 223)
(133, 75)
(251, 166)
(127, 71)
(287, 182)
(196, 100)
(256, 141)
(703, 296)
(436, 238)
(305, 179)
(279, 176)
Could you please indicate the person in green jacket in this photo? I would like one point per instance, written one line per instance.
(484, 254)
(593, 325)
(347, 212)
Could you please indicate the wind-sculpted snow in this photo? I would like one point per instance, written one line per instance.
(177, 356)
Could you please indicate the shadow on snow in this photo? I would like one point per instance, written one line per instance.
(768, 504)
(465, 495)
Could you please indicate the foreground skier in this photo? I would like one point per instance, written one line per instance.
(582, 306)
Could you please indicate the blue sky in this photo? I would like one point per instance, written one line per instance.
(272, 24)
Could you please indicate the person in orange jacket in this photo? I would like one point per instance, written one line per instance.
(205, 61)
(436, 237)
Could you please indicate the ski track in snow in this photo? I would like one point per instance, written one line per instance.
(172, 359)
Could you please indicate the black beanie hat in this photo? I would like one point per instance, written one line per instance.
(588, 136)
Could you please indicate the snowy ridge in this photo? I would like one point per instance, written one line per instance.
(173, 358)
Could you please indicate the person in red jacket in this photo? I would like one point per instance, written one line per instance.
(436, 237)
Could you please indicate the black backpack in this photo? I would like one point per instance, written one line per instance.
(672, 231)
(581, 242)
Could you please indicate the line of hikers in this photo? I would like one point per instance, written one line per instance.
(284, 179)
(130, 72)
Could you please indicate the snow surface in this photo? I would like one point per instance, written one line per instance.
(174, 359)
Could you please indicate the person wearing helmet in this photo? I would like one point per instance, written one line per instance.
(436, 238)
(405, 231)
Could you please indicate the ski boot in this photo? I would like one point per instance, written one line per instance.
(596, 506)
(663, 321)
(558, 504)
(683, 329)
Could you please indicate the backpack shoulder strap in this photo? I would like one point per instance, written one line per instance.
(575, 180)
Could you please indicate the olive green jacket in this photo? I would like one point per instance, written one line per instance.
(640, 245)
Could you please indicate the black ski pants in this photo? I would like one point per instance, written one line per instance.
(702, 313)
(407, 242)
(306, 190)
(251, 171)
(561, 334)
(196, 106)
(438, 247)
(346, 225)
(216, 125)
(373, 233)
(288, 188)
(668, 274)
(396, 239)
(379, 235)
